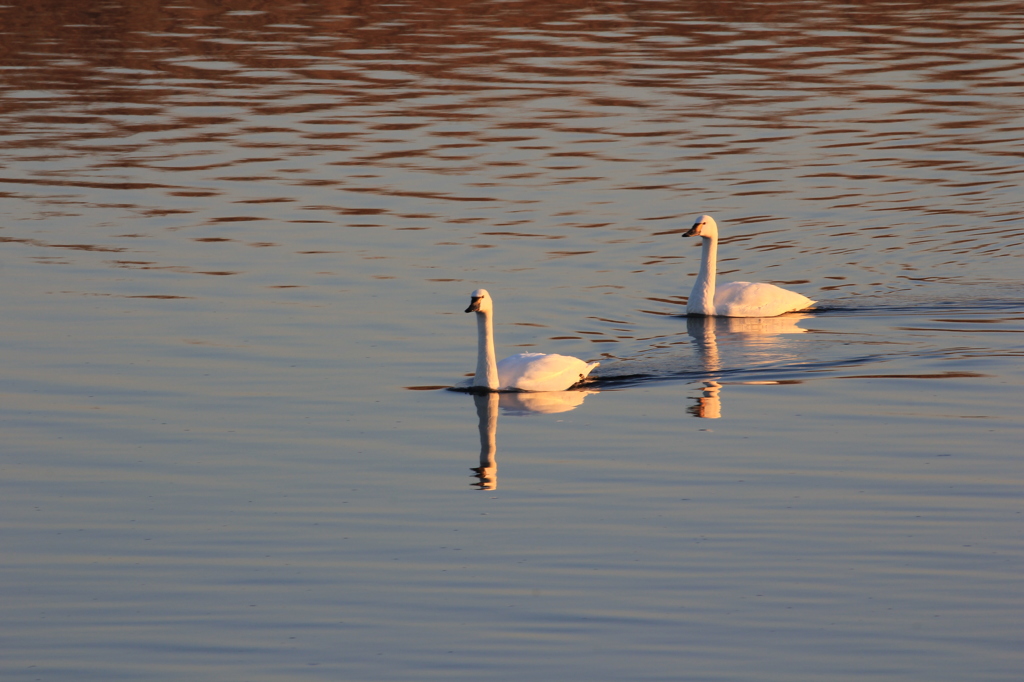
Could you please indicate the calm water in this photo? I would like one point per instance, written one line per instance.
(235, 235)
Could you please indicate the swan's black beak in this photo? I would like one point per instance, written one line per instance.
(474, 307)
(693, 231)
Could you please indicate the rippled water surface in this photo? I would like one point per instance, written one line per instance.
(237, 242)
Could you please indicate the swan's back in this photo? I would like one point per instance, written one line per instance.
(757, 299)
(541, 372)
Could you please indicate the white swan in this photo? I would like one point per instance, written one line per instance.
(735, 299)
(522, 372)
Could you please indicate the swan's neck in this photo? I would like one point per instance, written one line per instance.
(702, 298)
(486, 365)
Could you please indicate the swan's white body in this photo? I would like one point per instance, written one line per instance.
(735, 299)
(522, 372)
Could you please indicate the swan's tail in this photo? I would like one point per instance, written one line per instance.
(588, 369)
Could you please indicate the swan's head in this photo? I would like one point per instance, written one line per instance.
(480, 303)
(703, 226)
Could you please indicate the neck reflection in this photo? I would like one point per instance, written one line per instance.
(703, 331)
(487, 414)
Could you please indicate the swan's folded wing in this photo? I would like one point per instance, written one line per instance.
(757, 299)
(540, 372)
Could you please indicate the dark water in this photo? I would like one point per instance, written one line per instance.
(234, 235)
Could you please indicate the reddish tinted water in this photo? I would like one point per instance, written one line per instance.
(234, 234)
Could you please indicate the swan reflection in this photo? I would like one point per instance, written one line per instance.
(709, 405)
(487, 414)
(755, 334)
(487, 405)
(548, 402)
